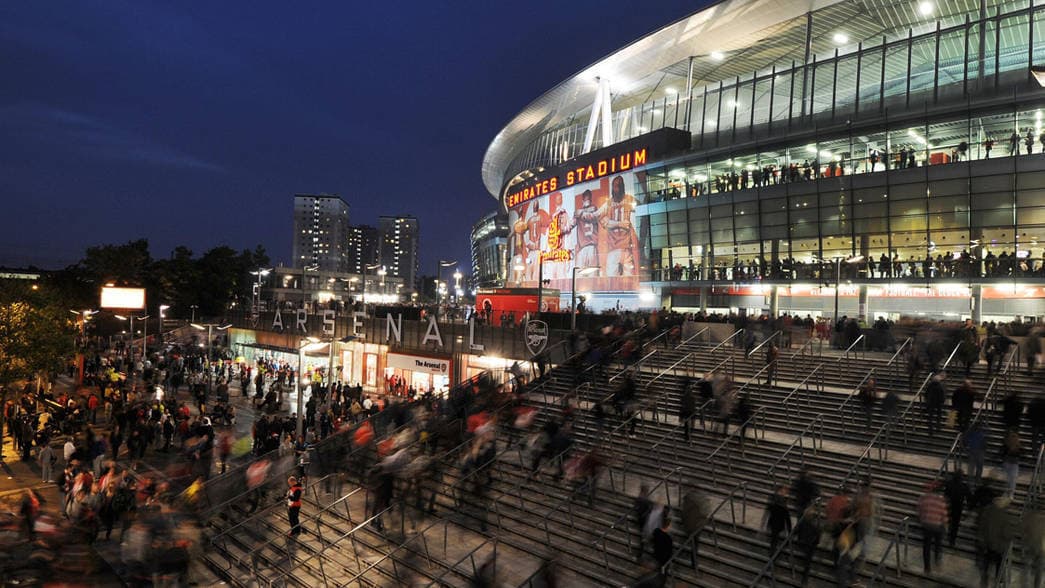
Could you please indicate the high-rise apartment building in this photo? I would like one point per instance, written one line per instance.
(399, 236)
(363, 247)
(321, 232)
(490, 250)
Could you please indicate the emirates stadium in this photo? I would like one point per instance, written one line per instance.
(871, 158)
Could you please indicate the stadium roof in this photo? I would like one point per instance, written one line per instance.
(727, 39)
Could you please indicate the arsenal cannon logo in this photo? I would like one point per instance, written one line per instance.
(536, 334)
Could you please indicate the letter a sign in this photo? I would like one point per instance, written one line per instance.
(536, 334)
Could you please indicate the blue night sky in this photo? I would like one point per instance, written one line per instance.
(195, 122)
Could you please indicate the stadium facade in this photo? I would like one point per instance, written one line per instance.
(782, 156)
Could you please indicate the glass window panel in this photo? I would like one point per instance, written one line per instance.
(658, 242)
(782, 96)
(658, 230)
(729, 104)
(912, 223)
(1014, 32)
(762, 100)
(1039, 36)
(988, 50)
(975, 67)
(923, 53)
(742, 105)
(1028, 217)
(870, 77)
(870, 209)
(677, 216)
(952, 57)
(896, 69)
(822, 91)
(722, 211)
(948, 204)
(659, 218)
(949, 188)
(845, 89)
(992, 201)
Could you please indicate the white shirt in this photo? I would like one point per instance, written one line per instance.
(68, 450)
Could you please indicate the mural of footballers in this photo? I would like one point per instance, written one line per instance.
(585, 228)
(615, 215)
(558, 238)
(535, 226)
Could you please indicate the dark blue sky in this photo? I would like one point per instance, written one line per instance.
(195, 122)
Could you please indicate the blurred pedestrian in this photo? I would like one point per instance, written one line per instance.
(957, 492)
(776, 519)
(932, 515)
(294, 505)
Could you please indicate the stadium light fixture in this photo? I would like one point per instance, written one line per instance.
(840, 38)
(926, 8)
(717, 55)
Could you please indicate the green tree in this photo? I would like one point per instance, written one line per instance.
(36, 334)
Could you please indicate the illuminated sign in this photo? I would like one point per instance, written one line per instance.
(123, 298)
(583, 173)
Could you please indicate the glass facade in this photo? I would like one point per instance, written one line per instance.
(955, 59)
(954, 198)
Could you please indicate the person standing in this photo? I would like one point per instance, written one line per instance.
(932, 514)
(663, 544)
(687, 407)
(47, 459)
(1010, 461)
(294, 505)
(694, 515)
(807, 535)
(641, 510)
(995, 532)
(772, 355)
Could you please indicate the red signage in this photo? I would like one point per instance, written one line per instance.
(617, 163)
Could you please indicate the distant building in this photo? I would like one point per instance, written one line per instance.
(490, 250)
(321, 232)
(398, 252)
(364, 247)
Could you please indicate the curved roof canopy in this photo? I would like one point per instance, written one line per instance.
(728, 39)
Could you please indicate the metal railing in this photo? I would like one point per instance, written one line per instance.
(635, 366)
(710, 521)
(851, 349)
(724, 341)
(764, 341)
(901, 538)
(602, 539)
(1033, 500)
(692, 337)
(437, 581)
(819, 386)
(759, 416)
(815, 430)
(770, 567)
(808, 346)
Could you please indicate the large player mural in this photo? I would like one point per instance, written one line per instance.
(590, 226)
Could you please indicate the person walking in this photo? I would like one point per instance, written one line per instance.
(687, 407)
(294, 505)
(934, 398)
(868, 398)
(694, 515)
(777, 519)
(641, 511)
(1010, 461)
(807, 535)
(932, 515)
(956, 490)
(663, 544)
(772, 355)
(995, 531)
(1034, 544)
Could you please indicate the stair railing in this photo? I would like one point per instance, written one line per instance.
(900, 540)
(739, 492)
(818, 386)
(815, 431)
(691, 337)
(760, 345)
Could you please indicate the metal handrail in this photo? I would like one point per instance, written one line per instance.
(257, 515)
(650, 342)
(726, 340)
(820, 387)
(816, 424)
(808, 343)
(693, 336)
(961, 434)
(766, 340)
(845, 354)
(881, 431)
(634, 366)
(667, 369)
(1033, 498)
(626, 515)
(453, 567)
(899, 350)
(710, 521)
(844, 416)
(759, 413)
(754, 377)
(900, 536)
(392, 551)
(771, 562)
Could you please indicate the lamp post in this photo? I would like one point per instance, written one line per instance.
(365, 270)
(438, 278)
(209, 327)
(130, 347)
(193, 307)
(457, 285)
(260, 273)
(300, 389)
(159, 327)
(304, 279)
(145, 335)
(573, 293)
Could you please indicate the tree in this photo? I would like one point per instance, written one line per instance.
(36, 334)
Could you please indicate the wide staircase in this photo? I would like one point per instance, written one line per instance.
(526, 522)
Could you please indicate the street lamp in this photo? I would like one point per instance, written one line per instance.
(438, 278)
(130, 348)
(365, 270)
(159, 328)
(260, 273)
(193, 307)
(304, 269)
(573, 292)
(457, 284)
(210, 337)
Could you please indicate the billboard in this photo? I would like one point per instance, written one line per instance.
(588, 225)
(123, 298)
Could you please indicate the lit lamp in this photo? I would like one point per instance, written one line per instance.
(209, 328)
